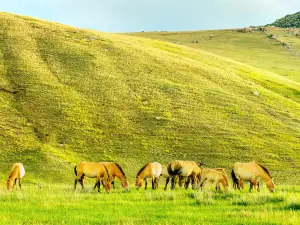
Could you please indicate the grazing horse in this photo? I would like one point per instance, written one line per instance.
(197, 173)
(114, 170)
(150, 170)
(17, 173)
(187, 169)
(215, 176)
(251, 172)
(165, 174)
(92, 170)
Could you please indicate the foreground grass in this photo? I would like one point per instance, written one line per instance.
(61, 205)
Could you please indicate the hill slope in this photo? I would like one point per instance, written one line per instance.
(69, 95)
(288, 21)
(253, 48)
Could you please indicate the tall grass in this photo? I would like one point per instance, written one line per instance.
(58, 204)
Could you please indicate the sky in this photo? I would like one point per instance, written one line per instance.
(154, 15)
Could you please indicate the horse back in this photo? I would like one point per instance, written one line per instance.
(89, 169)
(183, 168)
(156, 169)
(18, 169)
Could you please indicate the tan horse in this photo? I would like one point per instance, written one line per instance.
(185, 169)
(165, 174)
(239, 183)
(114, 170)
(92, 170)
(214, 176)
(197, 173)
(150, 170)
(17, 173)
(251, 172)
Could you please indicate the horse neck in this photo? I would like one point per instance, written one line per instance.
(224, 181)
(104, 172)
(118, 173)
(13, 175)
(143, 173)
(264, 175)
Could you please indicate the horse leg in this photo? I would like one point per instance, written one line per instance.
(156, 181)
(99, 184)
(187, 183)
(75, 183)
(146, 182)
(201, 184)
(218, 188)
(167, 181)
(258, 186)
(96, 184)
(251, 185)
(173, 183)
(113, 184)
(81, 181)
(20, 183)
(153, 184)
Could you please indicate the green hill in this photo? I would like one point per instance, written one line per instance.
(69, 95)
(288, 21)
(257, 48)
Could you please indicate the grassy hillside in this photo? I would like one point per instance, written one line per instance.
(69, 95)
(255, 48)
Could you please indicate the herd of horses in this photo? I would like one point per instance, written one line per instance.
(178, 171)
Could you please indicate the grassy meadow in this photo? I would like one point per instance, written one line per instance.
(59, 204)
(69, 95)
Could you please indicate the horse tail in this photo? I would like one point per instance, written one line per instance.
(234, 179)
(75, 170)
(174, 171)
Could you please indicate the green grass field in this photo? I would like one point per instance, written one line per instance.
(53, 204)
(69, 95)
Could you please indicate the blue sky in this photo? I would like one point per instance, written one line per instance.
(154, 15)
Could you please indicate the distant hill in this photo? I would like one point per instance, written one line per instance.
(288, 21)
(68, 95)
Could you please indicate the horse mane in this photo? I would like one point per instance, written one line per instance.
(141, 170)
(265, 169)
(120, 169)
(12, 173)
(106, 170)
(225, 178)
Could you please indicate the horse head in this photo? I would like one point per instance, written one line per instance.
(270, 185)
(124, 184)
(9, 184)
(138, 182)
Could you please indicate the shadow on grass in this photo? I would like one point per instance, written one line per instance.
(293, 206)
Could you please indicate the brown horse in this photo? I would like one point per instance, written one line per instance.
(215, 176)
(92, 170)
(251, 172)
(197, 174)
(150, 170)
(165, 174)
(17, 173)
(115, 170)
(239, 183)
(186, 169)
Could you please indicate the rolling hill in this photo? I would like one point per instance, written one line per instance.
(69, 95)
(273, 49)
